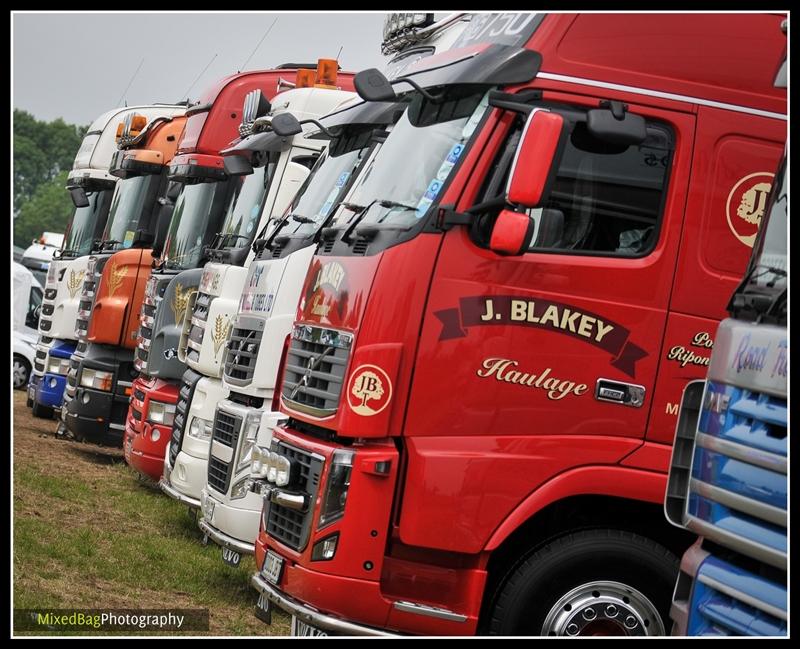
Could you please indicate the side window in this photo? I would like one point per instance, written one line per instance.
(610, 196)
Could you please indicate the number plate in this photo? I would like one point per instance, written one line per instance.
(273, 565)
(263, 609)
(231, 557)
(304, 630)
(31, 392)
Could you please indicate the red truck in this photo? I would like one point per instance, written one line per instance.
(484, 374)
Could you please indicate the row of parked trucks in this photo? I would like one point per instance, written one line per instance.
(417, 338)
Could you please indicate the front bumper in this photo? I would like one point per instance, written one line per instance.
(96, 415)
(233, 527)
(187, 478)
(309, 615)
(146, 441)
(49, 390)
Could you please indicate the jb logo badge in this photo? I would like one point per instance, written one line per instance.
(369, 390)
(746, 205)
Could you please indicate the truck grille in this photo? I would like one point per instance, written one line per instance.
(226, 428)
(728, 600)
(737, 491)
(290, 526)
(136, 414)
(218, 474)
(315, 368)
(190, 380)
(240, 362)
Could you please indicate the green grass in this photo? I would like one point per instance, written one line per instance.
(89, 534)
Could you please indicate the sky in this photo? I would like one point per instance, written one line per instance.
(77, 65)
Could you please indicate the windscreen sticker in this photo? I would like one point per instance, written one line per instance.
(449, 162)
(342, 179)
(127, 241)
(254, 212)
(428, 197)
(480, 310)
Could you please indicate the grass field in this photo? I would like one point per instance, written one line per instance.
(89, 534)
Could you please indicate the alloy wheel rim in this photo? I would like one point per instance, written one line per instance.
(20, 374)
(603, 608)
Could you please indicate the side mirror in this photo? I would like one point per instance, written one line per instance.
(286, 125)
(162, 225)
(372, 85)
(533, 160)
(237, 165)
(512, 233)
(607, 127)
(79, 198)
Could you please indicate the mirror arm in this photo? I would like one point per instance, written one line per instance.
(515, 102)
(322, 128)
(419, 89)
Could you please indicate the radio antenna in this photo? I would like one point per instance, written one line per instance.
(198, 77)
(259, 43)
(340, 53)
(122, 96)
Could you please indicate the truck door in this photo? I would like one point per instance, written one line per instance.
(537, 363)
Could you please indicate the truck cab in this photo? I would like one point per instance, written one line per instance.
(101, 369)
(91, 187)
(483, 375)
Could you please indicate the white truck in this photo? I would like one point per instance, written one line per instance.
(27, 298)
(91, 187)
(231, 502)
(278, 167)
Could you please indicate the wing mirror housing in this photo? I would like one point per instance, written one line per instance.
(237, 165)
(372, 85)
(79, 198)
(512, 233)
(285, 125)
(533, 168)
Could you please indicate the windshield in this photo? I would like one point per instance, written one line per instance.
(189, 223)
(80, 229)
(126, 210)
(245, 209)
(769, 267)
(406, 175)
(315, 200)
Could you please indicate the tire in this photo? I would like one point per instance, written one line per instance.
(592, 582)
(45, 412)
(20, 372)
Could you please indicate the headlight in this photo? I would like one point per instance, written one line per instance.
(58, 366)
(161, 413)
(240, 489)
(336, 489)
(259, 462)
(97, 379)
(201, 428)
(250, 431)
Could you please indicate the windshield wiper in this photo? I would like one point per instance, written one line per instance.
(387, 203)
(302, 219)
(110, 242)
(353, 207)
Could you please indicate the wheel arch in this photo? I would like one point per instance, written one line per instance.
(583, 498)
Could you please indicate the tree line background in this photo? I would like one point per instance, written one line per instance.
(43, 155)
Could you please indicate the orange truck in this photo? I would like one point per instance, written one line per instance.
(101, 369)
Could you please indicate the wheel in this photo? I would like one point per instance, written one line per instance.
(45, 412)
(593, 582)
(21, 372)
